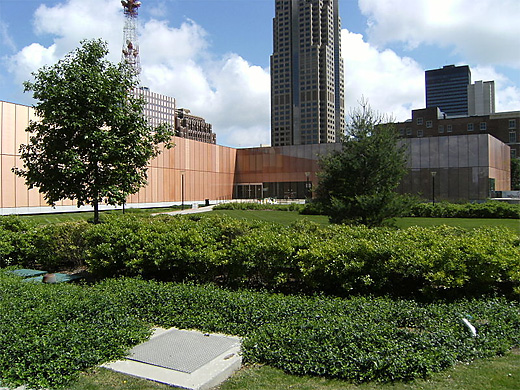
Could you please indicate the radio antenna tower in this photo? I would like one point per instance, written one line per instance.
(130, 53)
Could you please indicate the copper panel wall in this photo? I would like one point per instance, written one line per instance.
(208, 169)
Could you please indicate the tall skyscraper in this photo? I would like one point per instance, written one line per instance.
(447, 88)
(481, 98)
(307, 79)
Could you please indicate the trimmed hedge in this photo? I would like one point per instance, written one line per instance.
(50, 332)
(491, 209)
(438, 262)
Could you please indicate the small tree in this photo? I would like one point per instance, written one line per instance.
(92, 142)
(357, 184)
(515, 174)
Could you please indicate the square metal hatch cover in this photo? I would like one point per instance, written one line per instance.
(182, 350)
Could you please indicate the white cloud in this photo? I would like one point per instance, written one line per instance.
(392, 85)
(5, 37)
(229, 93)
(75, 20)
(483, 31)
(29, 59)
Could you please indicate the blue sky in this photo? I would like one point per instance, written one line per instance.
(213, 55)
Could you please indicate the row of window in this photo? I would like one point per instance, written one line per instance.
(420, 133)
(471, 127)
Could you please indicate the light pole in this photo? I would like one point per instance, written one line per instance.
(433, 173)
(307, 185)
(182, 189)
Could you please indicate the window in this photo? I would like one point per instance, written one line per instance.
(470, 126)
(401, 132)
(449, 128)
(512, 137)
(429, 124)
(408, 131)
(483, 126)
(420, 121)
(419, 133)
(512, 123)
(513, 153)
(441, 129)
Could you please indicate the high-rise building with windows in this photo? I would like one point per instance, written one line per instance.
(307, 79)
(447, 88)
(481, 98)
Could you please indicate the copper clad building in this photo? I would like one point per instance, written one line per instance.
(466, 167)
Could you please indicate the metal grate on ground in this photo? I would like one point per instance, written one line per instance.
(182, 351)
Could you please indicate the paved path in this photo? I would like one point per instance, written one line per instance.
(189, 211)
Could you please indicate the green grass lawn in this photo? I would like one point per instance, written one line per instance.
(502, 373)
(86, 215)
(287, 217)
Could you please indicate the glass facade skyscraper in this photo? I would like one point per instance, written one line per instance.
(447, 88)
(307, 79)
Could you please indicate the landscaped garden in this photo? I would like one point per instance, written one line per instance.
(334, 305)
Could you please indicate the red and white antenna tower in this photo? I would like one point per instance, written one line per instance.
(131, 44)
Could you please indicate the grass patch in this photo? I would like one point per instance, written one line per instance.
(274, 216)
(103, 379)
(288, 217)
(52, 218)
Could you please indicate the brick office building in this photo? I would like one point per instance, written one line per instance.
(431, 122)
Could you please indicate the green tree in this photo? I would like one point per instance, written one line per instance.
(515, 174)
(357, 183)
(91, 142)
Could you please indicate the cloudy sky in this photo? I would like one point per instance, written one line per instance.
(213, 55)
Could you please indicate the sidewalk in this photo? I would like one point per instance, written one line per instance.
(189, 210)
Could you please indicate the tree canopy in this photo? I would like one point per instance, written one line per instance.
(91, 142)
(357, 184)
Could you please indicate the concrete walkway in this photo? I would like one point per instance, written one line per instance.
(189, 210)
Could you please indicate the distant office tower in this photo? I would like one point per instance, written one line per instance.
(481, 98)
(160, 109)
(307, 86)
(447, 88)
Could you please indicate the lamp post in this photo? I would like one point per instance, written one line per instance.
(307, 185)
(433, 173)
(182, 189)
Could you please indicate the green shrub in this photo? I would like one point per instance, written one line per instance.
(57, 247)
(16, 236)
(490, 209)
(49, 333)
(361, 339)
(440, 262)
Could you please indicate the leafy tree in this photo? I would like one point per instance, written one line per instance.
(357, 184)
(515, 173)
(92, 142)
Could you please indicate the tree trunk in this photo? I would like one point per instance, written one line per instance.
(96, 211)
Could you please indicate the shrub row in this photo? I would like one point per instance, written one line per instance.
(491, 209)
(434, 262)
(50, 332)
